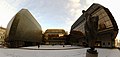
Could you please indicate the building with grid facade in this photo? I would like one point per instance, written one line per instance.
(107, 27)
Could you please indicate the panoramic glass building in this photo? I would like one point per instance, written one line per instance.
(23, 30)
(107, 27)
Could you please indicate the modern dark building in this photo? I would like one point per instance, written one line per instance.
(23, 30)
(54, 36)
(107, 27)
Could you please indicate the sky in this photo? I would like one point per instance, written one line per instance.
(54, 13)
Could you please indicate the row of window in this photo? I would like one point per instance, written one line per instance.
(104, 20)
(2, 37)
(80, 27)
(106, 43)
(55, 31)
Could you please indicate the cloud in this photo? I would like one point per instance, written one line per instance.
(53, 13)
(73, 8)
(6, 13)
(16, 3)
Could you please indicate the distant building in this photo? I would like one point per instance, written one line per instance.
(54, 36)
(2, 35)
(116, 42)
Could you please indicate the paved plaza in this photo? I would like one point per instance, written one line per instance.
(55, 51)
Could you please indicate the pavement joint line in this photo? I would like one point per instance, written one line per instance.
(49, 49)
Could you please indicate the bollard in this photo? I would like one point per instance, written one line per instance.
(91, 53)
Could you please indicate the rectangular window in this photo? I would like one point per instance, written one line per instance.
(103, 43)
(108, 24)
(108, 43)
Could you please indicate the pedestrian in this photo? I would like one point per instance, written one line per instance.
(38, 45)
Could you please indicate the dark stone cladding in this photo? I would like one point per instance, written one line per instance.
(23, 27)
